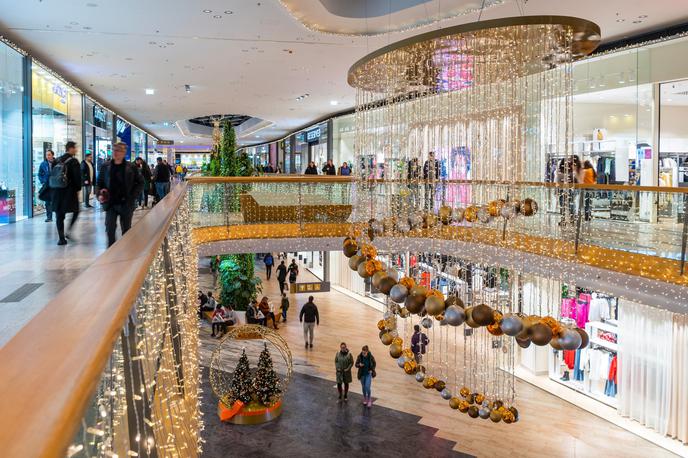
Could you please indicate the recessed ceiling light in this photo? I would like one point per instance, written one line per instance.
(181, 141)
(334, 102)
(150, 91)
(229, 12)
(218, 16)
(621, 20)
(92, 5)
(642, 16)
(207, 11)
(74, 23)
(637, 21)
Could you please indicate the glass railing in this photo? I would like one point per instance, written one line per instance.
(646, 221)
(110, 366)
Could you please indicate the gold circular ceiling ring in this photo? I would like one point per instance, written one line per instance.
(422, 58)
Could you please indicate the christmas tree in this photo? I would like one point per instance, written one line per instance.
(266, 383)
(240, 389)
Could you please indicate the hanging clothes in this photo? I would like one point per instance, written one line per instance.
(582, 309)
(577, 368)
(599, 309)
(610, 385)
(570, 358)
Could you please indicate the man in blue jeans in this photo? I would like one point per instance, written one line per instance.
(162, 179)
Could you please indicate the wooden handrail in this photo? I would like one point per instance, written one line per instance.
(50, 369)
(349, 179)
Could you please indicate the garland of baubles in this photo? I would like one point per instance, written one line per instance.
(419, 300)
(447, 215)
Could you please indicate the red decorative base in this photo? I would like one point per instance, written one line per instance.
(248, 414)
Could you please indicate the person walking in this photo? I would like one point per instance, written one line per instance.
(329, 168)
(282, 276)
(311, 169)
(88, 176)
(365, 362)
(147, 176)
(161, 178)
(119, 184)
(343, 362)
(419, 343)
(44, 177)
(285, 306)
(65, 183)
(269, 262)
(293, 271)
(309, 316)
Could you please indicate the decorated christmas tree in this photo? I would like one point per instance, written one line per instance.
(240, 389)
(266, 383)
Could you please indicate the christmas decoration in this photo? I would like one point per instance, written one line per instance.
(241, 388)
(266, 383)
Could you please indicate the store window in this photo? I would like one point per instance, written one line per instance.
(123, 134)
(12, 198)
(343, 134)
(97, 131)
(152, 152)
(56, 111)
(138, 143)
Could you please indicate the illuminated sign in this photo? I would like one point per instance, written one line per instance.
(312, 287)
(313, 135)
(61, 92)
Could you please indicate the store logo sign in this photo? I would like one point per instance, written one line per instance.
(313, 135)
(60, 92)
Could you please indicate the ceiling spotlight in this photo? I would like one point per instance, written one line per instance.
(229, 12)
(217, 16)
(207, 11)
(150, 91)
(187, 88)
(334, 102)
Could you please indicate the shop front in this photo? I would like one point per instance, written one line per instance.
(343, 134)
(56, 119)
(97, 131)
(12, 159)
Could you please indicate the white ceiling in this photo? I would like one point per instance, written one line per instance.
(255, 61)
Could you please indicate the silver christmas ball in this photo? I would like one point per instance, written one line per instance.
(377, 277)
(398, 293)
(484, 215)
(446, 394)
(403, 226)
(401, 361)
(394, 273)
(458, 214)
(570, 339)
(454, 316)
(420, 376)
(509, 210)
(426, 322)
(484, 413)
(511, 324)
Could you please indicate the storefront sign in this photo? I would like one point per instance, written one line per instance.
(313, 287)
(313, 135)
(165, 142)
(61, 92)
(99, 117)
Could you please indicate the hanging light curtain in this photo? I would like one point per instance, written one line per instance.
(645, 363)
(678, 413)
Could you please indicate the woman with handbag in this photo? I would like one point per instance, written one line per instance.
(365, 362)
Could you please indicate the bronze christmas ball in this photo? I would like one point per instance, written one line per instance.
(529, 207)
(554, 343)
(434, 305)
(350, 249)
(471, 214)
(440, 385)
(523, 342)
(469, 318)
(430, 220)
(497, 404)
(464, 391)
(377, 277)
(395, 350)
(482, 314)
(463, 406)
(585, 338)
(386, 284)
(454, 403)
(362, 271)
(445, 214)
(382, 332)
(540, 334)
(528, 321)
(473, 411)
(415, 303)
(387, 338)
(453, 300)
(404, 312)
(479, 398)
(495, 207)
(355, 260)
(419, 291)
(470, 398)
(496, 416)
(514, 412)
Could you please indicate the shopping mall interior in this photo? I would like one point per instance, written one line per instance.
(282, 228)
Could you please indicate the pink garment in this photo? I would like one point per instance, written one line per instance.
(582, 310)
(568, 308)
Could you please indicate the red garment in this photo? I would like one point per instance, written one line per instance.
(612, 370)
(570, 358)
(425, 279)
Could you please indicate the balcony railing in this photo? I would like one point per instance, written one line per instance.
(109, 367)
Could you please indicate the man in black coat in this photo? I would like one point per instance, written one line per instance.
(119, 184)
(66, 200)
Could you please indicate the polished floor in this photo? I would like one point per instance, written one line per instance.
(549, 426)
(30, 255)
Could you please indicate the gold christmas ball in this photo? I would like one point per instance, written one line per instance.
(387, 338)
(404, 312)
(430, 220)
(355, 260)
(514, 412)
(398, 341)
(495, 328)
(454, 402)
(496, 416)
(429, 382)
(469, 318)
(473, 411)
(479, 398)
(495, 207)
(381, 325)
(464, 391)
(350, 249)
(471, 214)
(529, 207)
(445, 214)
(407, 353)
(434, 305)
(470, 398)
(395, 350)
(418, 291)
(483, 315)
(497, 404)
(410, 367)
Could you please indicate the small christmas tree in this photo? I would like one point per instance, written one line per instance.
(240, 389)
(266, 384)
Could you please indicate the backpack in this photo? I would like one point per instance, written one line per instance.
(58, 175)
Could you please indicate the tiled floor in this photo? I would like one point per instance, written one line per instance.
(29, 254)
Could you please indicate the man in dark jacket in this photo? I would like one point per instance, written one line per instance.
(119, 184)
(147, 176)
(43, 177)
(309, 316)
(88, 176)
(66, 200)
(329, 168)
(282, 276)
(162, 179)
